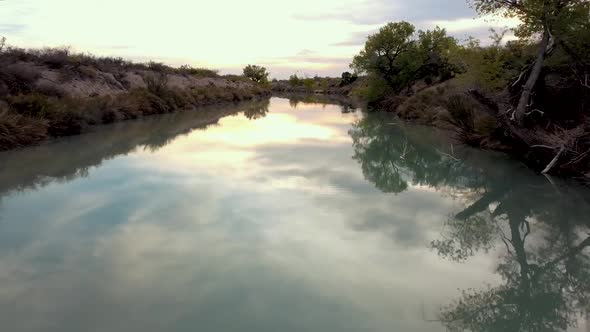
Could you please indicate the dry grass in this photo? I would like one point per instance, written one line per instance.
(32, 117)
(17, 130)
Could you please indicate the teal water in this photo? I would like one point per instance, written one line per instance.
(286, 215)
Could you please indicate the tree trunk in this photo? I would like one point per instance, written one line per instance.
(525, 97)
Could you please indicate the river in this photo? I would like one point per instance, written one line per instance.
(285, 215)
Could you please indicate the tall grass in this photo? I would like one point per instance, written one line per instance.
(30, 118)
(18, 130)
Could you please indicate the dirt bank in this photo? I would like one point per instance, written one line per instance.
(52, 93)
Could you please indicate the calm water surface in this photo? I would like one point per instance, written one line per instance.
(285, 216)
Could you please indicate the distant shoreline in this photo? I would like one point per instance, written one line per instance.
(52, 93)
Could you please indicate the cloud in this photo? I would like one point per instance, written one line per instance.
(307, 35)
(377, 12)
(356, 38)
(164, 240)
(12, 28)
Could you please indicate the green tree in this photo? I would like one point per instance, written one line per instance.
(400, 56)
(348, 78)
(309, 83)
(552, 20)
(294, 80)
(256, 73)
(388, 54)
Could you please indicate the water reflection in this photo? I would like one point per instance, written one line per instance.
(391, 157)
(539, 228)
(195, 222)
(257, 109)
(65, 160)
(347, 105)
(545, 266)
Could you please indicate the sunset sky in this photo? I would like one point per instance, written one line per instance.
(305, 36)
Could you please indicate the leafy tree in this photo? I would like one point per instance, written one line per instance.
(388, 53)
(294, 80)
(256, 73)
(552, 20)
(348, 78)
(400, 57)
(434, 49)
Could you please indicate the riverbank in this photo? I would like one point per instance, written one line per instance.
(53, 93)
(550, 142)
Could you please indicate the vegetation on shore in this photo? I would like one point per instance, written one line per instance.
(326, 85)
(33, 106)
(529, 96)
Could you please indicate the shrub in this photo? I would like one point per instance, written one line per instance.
(19, 77)
(157, 83)
(309, 83)
(66, 121)
(294, 80)
(348, 78)
(33, 105)
(17, 130)
(461, 111)
(55, 58)
(157, 67)
(87, 72)
(375, 89)
(425, 105)
(197, 72)
(149, 103)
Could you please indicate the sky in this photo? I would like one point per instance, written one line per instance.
(308, 37)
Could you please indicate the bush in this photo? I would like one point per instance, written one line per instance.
(32, 105)
(294, 80)
(348, 78)
(19, 77)
(256, 73)
(55, 58)
(197, 72)
(157, 67)
(157, 83)
(425, 105)
(17, 130)
(375, 89)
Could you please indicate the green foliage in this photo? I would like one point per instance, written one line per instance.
(400, 57)
(537, 16)
(374, 90)
(348, 78)
(491, 68)
(309, 83)
(256, 73)
(294, 80)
